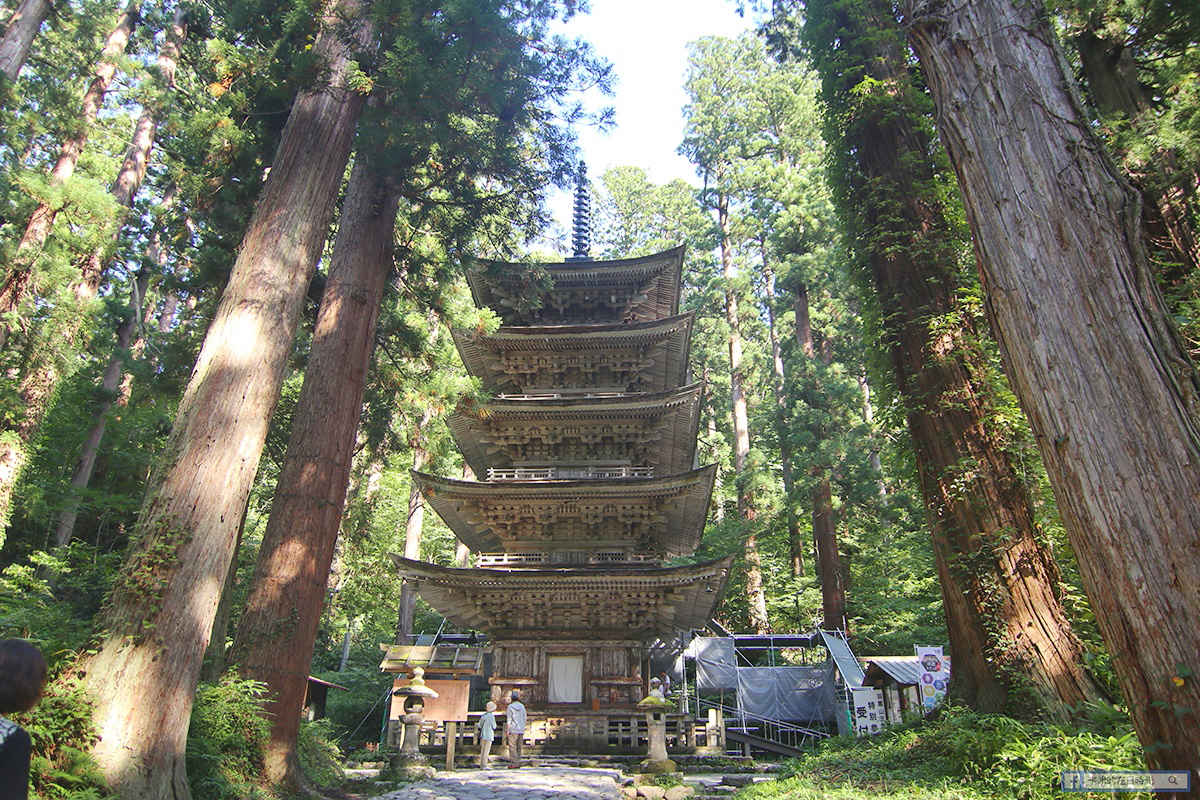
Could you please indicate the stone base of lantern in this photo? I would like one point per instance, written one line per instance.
(657, 766)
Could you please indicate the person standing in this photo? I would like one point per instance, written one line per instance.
(22, 678)
(487, 732)
(514, 729)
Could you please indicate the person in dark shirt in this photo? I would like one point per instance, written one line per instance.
(22, 678)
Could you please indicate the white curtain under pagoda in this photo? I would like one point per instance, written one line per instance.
(566, 680)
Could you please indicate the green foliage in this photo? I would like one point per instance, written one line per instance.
(60, 727)
(226, 738)
(355, 718)
(960, 755)
(319, 755)
(58, 620)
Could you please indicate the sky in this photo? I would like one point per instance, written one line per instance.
(646, 40)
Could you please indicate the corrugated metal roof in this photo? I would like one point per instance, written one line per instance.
(902, 669)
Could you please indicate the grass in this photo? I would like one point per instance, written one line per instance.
(961, 756)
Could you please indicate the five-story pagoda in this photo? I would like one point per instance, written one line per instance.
(587, 461)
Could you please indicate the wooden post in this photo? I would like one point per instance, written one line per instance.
(451, 739)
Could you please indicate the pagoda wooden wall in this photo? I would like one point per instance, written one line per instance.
(612, 672)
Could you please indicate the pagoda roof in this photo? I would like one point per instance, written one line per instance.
(654, 515)
(648, 356)
(656, 429)
(627, 290)
(614, 603)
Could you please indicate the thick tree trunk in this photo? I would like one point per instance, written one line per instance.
(1012, 643)
(278, 629)
(747, 509)
(22, 29)
(159, 616)
(1109, 390)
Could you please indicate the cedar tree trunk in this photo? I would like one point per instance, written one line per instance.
(19, 34)
(278, 629)
(755, 595)
(1109, 390)
(824, 526)
(158, 619)
(1010, 637)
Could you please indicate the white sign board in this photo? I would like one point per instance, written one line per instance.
(868, 711)
(935, 675)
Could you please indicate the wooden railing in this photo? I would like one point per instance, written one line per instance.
(592, 733)
(570, 557)
(566, 473)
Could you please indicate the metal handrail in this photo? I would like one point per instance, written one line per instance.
(787, 732)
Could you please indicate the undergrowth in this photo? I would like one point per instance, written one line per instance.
(226, 740)
(961, 756)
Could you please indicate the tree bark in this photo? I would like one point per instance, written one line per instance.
(278, 629)
(1010, 637)
(1109, 389)
(159, 616)
(22, 29)
(747, 509)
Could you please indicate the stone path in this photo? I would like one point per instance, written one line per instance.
(527, 783)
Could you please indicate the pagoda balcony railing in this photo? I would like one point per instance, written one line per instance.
(566, 394)
(566, 473)
(565, 558)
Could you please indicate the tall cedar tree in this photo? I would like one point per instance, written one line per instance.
(278, 628)
(1108, 387)
(41, 371)
(508, 74)
(710, 142)
(1007, 627)
(159, 616)
(129, 179)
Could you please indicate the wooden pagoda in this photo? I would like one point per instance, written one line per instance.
(588, 481)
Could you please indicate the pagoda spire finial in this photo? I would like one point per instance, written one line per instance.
(581, 227)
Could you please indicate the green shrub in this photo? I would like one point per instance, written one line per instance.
(961, 755)
(319, 755)
(226, 741)
(61, 729)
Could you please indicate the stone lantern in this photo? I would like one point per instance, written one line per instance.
(656, 706)
(409, 760)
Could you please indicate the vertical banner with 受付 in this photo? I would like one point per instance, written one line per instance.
(935, 675)
(868, 711)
